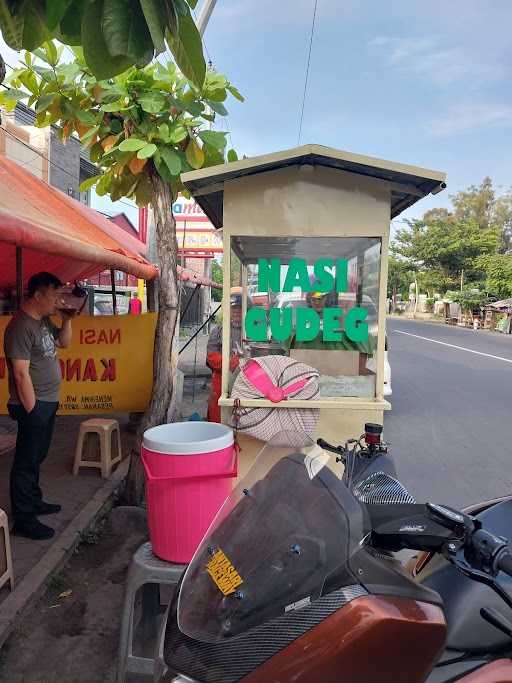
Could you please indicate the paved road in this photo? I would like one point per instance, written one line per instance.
(451, 423)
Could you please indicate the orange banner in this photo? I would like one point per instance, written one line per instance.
(107, 368)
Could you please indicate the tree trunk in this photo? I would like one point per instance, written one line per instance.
(417, 295)
(164, 365)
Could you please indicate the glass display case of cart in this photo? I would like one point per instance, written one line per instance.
(310, 227)
(323, 309)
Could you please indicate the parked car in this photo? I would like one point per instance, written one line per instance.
(103, 304)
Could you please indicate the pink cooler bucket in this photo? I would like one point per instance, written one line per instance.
(189, 467)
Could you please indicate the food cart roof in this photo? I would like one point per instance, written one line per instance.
(408, 183)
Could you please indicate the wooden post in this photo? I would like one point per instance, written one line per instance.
(381, 327)
(19, 277)
(243, 272)
(226, 311)
(90, 300)
(113, 284)
(152, 296)
(360, 277)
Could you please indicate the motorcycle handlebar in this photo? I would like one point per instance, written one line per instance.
(329, 447)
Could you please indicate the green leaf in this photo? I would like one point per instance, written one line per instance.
(162, 169)
(11, 96)
(154, 13)
(146, 151)
(68, 111)
(35, 31)
(194, 154)
(43, 103)
(152, 102)
(43, 119)
(103, 185)
(96, 152)
(123, 186)
(116, 126)
(41, 54)
(29, 80)
(112, 106)
(163, 130)
(214, 81)
(55, 11)
(235, 92)
(232, 155)
(193, 107)
(71, 25)
(52, 56)
(218, 95)
(86, 117)
(132, 145)
(214, 138)
(96, 53)
(192, 3)
(212, 156)
(90, 182)
(178, 134)
(218, 107)
(187, 49)
(125, 30)
(90, 134)
(172, 160)
(11, 26)
(144, 191)
(46, 74)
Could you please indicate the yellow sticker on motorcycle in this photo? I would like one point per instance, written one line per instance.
(223, 574)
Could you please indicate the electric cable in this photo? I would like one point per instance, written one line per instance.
(307, 71)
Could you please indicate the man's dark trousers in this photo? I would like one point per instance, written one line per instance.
(35, 431)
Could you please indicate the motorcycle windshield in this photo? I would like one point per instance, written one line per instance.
(289, 526)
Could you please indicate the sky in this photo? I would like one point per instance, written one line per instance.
(421, 83)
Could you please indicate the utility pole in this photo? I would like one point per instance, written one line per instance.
(202, 21)
(204, 15)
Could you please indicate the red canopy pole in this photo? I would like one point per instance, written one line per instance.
(19, 277)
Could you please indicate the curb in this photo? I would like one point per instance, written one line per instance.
(34, 584)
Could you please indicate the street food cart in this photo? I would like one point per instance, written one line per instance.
(304, 219)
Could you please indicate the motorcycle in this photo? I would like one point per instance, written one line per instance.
(297, 578)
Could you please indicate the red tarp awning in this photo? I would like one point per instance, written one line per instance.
(59, 234)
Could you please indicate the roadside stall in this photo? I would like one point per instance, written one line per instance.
(41, 228)
(310, 227)
(498, 316)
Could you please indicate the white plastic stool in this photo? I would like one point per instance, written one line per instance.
(146, 572)
(6, 571)
(106, 429)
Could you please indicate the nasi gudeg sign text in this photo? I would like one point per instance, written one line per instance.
(329, 275)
